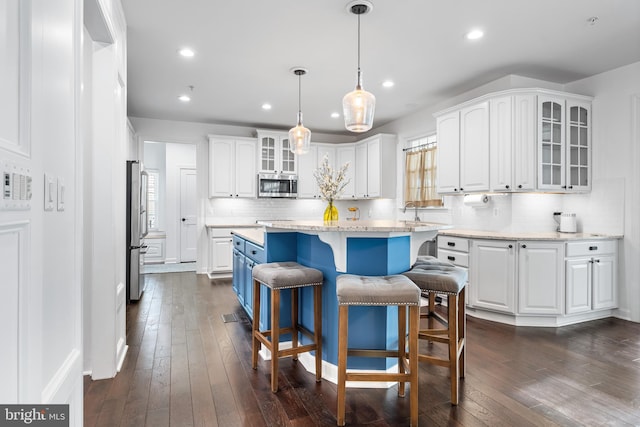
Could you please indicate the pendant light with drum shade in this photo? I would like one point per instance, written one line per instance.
(359, 105)
(299, 136)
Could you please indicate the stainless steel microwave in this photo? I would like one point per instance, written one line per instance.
(277, 185)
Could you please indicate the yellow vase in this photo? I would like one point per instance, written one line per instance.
(331, 213)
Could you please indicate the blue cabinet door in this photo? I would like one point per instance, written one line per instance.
(248, 287)
(237, 270)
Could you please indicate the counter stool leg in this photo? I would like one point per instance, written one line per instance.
(402, 345)
(462, 330)
(414, 326)
(317, 329)
(454, 366)
(255, 324)
(343, 323)
(275, 337)
(294, 321)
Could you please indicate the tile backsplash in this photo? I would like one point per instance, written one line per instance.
(600, 211)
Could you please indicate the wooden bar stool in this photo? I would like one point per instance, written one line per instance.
(440, 277)
(379, 291)
(286, 275)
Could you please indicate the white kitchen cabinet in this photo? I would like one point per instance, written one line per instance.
(232, 168)
(512, 143)
(540, 277)
(448, 134)
(347, 153)
(220, 250)
(375, 167)
(474, 148)
(307, 165)
(155, 251)
(591, 282)
(578, 145)
(463, 149)
(456, 251)
(524, 142)
(536, 139)
(493, 275)
(274, 154)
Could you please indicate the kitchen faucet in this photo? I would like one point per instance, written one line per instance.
(413, 205)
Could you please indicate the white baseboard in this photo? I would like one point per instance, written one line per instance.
(62, 384)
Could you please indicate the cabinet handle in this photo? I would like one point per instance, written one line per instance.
(236, 195)
(564, 186)
(238, 243)
(451, 243)
(597, 260)
(451, 258)
(519, 185)
(455, 189)
(230, 195)
(510, 246)
(253, 252)
(461, 188)
(506, 186)
(570, 187)
(524, 246)
(593, 248)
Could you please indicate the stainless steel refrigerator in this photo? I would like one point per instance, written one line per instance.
(136, 228)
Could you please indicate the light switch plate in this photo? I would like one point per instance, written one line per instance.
(61, 190)
(50, 192)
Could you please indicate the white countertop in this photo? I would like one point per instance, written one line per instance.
(386, 226)
(253, 234)
(510, 235)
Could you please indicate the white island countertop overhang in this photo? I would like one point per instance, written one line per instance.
(336, 233)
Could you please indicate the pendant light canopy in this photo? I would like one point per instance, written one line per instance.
(299, 136)
(359, 105)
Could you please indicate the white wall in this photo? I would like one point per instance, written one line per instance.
(40, 251)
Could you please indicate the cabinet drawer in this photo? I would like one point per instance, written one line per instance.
(453, 243)
(593, 247)
(255, 252)
(458, 258)
(238, 243)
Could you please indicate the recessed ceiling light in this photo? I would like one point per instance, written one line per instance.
(184, 98)
(335, 115)
(474, 34)
(186, 52)
(388, 83)
(266, 106)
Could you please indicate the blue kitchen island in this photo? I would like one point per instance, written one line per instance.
(372, 248)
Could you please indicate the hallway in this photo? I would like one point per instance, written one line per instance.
(186, 367)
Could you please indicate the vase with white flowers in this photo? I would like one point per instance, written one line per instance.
(331, 183)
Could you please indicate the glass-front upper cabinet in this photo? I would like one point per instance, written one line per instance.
(551, 143)
(274, 153)
(578, 146)
(288, 158)
(267, 153)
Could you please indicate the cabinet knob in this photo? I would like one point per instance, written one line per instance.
(564, 186)
(570, 187)
(230, 195)
(597, 260)
(524, 246)
(510, 246)
(455, 189)
(253, 252)
(519, 185)
(461, 188)
(506, 186)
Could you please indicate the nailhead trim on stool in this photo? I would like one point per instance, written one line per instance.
(286, 275)
(376, 291)
(433, 277)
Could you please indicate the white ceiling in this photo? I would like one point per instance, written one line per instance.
(245, 50)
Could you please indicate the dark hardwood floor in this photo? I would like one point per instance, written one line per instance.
(186, 367)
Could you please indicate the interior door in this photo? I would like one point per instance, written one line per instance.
(188, 203)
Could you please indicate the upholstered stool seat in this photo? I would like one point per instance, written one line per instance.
(433, 277)
(396, 290)
(286, 275)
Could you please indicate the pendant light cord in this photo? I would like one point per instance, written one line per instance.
(359, 82)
